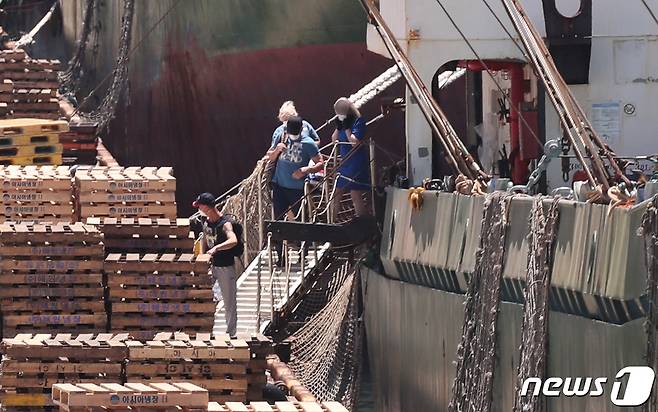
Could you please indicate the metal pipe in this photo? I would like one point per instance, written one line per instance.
(373, 177)
(261, 226)
(258, 290)
(287, 257)
(271, 268)
(245, 254)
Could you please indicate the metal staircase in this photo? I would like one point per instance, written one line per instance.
(262, 297)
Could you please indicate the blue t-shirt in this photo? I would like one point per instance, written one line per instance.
(297, 154)
(356, 167)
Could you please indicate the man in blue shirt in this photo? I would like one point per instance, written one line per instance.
(292, 149)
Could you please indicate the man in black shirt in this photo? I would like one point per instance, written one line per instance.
(219, 241)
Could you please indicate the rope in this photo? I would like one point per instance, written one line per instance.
(476, 354)
(653, 16)
(28, 38)
(534, 339)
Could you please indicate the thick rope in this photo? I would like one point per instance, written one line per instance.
(534, 339)
(476, 354)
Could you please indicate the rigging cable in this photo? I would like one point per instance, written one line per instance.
(653, 16)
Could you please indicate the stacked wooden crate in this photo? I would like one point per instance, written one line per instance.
(29, 86)
(218, 365)
(151, 293)
(31, 141)
(125, 192)
(36, 193)
(80, 144)
(153, 397)
(31, 364)
(51, 277)
(142, 235)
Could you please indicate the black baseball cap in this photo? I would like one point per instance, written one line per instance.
(207, 199)
(294, 125)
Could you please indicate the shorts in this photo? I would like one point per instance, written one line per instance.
(283, 198)
(349, 183)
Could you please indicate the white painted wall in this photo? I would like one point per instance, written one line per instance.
(623, 69)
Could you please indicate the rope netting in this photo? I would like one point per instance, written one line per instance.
(543, 229)
(649, 230)
(326, 352)
(472, 387)
(69, 79)
(245, 206)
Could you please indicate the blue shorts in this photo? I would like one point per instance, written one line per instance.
(351, 184)
(283, 198)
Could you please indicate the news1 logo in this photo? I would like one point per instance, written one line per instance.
(639, 382)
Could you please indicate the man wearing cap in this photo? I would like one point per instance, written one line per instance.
(292, 149)
(219, 240)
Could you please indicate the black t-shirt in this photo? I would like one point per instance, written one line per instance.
(214, 234)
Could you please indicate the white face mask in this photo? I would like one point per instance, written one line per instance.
(293, 136)
(341, 117)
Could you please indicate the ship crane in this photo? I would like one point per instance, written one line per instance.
(460, 160)
(580, 133)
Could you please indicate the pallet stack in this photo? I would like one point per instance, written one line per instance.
(29, 86)
(51, 277)
(125, 192)
(260, 347)
(36, 193)
(218, 365)
(80, 144)
(143, 235)
(277, 407)
(175, 396)
(31, 364)
(31, 141)
(159, 292)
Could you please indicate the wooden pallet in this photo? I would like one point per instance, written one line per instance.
(162, 263)
(31, 364)
(112, 395)
(277, 407)
(56, 278)
(159, 291)
(130, 235)
(260, 347)
(53, 159)
(31, 127)
(135, 179)
(29, 150)
(218, 365)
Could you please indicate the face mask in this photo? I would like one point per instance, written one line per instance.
(341, 117)
(293, 136)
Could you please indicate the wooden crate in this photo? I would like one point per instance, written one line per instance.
(125, 192)
(159, 292)
(31, 364)
(36, 193)
(130, 396)
(218, 365)
(56, 277)
(141, 235)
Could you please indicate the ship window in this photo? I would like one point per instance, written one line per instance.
(568, 8)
